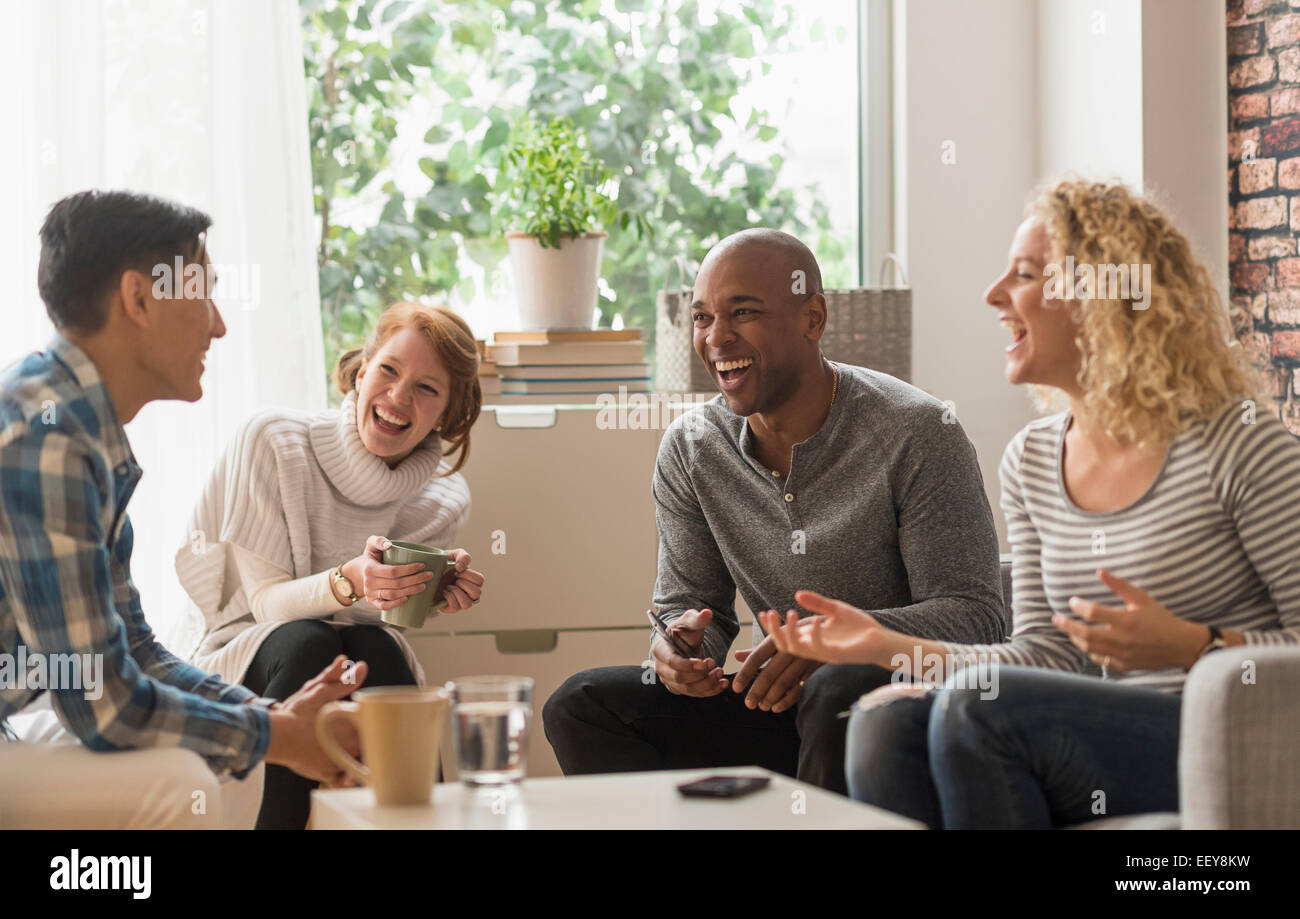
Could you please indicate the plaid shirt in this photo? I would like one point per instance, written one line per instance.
(66, 475)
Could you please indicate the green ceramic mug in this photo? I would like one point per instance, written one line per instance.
(412, 613)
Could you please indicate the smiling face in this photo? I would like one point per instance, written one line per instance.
(750, 331)
(177, 342)
(1042, 349)
(402, 393)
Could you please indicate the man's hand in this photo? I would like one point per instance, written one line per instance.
(687, 676)
(293, 723)
(777, 685)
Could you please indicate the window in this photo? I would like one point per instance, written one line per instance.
(714, 114)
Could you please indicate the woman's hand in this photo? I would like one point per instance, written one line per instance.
(465, 590)
(385, 586)
(1143, 635)
(842, 634)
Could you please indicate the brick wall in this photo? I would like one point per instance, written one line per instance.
(1264, 190)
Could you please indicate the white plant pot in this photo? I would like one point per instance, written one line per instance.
(556, 288)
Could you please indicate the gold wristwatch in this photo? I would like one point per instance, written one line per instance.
(343, 588)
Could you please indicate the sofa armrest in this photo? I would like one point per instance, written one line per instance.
(1239, 745)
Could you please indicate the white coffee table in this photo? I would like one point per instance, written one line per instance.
(627, 801)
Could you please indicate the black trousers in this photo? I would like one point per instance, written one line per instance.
(289, 657)
(611, 719)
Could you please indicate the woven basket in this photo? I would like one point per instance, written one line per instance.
(871, 326)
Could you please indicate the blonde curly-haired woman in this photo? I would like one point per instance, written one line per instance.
(1150, 523)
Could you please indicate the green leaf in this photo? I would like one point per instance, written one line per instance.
(394, 9)
(457, 89)
(336, 18)
(497, 133)
(365, 172)
(393, 209)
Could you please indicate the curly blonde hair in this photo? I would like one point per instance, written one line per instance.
(1146, 374)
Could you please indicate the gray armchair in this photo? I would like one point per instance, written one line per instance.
(1239, 749)
(1239, 742)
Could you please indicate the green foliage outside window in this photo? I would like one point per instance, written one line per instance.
(650, 87)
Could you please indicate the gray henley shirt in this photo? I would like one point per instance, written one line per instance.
(884, 508)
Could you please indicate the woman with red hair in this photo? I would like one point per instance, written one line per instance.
(286, 561)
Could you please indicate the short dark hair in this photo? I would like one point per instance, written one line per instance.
(90, 238)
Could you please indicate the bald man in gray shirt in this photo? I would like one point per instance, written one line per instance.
(802, 474)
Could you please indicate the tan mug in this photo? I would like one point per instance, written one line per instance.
(400, 728)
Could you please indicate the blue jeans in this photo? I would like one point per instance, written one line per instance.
(1051, 749)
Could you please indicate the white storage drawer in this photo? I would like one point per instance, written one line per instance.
(572, 504)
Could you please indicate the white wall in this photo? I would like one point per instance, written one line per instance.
(1089, 98)
(1026, 90)
(1137, 91)
(970, 81)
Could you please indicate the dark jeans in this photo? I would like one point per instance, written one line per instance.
(611, 720)
(1051, 749)
(289, 657)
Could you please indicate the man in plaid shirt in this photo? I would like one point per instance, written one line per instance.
(66, 475)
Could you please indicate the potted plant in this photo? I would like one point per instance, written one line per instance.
(555, 192)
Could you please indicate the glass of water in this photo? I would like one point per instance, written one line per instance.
(490, 716)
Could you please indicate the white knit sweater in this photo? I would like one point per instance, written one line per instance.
(293, 496)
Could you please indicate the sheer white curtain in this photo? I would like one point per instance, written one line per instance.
(202, 101)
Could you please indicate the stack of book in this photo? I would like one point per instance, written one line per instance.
(574, 366)
(488, 380)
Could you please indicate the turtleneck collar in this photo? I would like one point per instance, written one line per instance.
(358, 474)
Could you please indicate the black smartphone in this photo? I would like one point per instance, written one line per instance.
(665, 630)
(723, 786)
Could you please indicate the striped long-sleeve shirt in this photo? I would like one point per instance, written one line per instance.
(66, 475)
(1215, 539)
